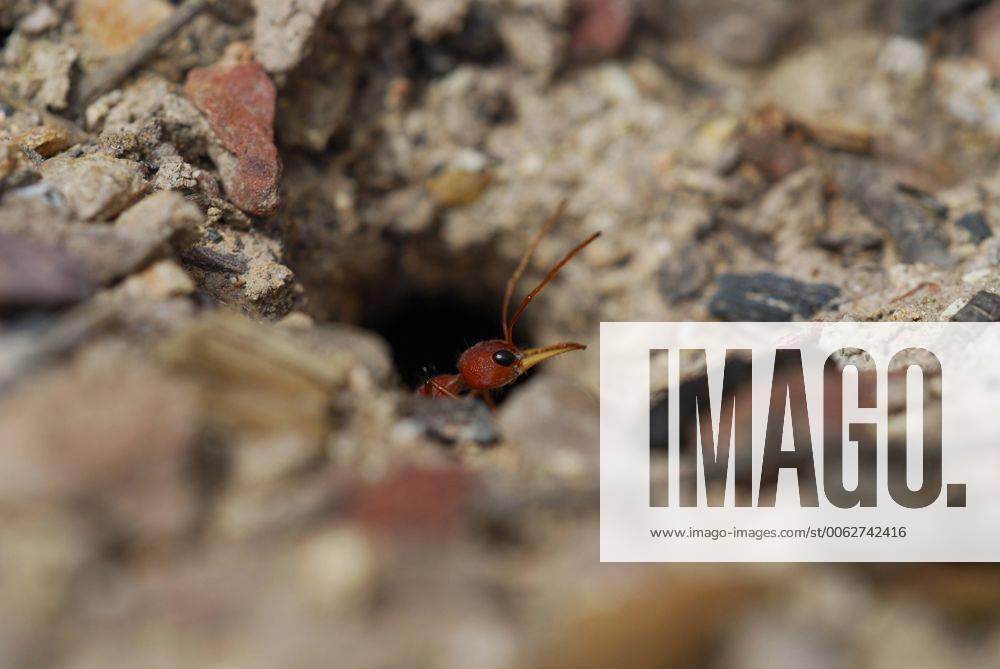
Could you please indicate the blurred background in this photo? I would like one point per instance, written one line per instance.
(234, 236)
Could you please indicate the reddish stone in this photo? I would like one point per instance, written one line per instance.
(414, 499)
(238, 100)
(603, 28)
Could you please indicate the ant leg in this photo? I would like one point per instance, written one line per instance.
(488, 398)
(441, 389)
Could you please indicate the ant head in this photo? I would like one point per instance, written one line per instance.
(490, 364)
(496, 363)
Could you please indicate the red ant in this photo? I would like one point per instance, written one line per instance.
(498, 362)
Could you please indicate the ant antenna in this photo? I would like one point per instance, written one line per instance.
(508, 329)
(523, 265)
(548, 277)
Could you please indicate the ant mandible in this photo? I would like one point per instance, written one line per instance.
(496, 363)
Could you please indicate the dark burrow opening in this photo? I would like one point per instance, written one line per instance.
(428, 332)
(428, 300)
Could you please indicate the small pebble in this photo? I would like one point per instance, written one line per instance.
(913, 220)
(458, 187)
(952, 309)
(905, 59)
(768, 297)
(984, 307)
(165, 214)
(96, 187)
(283, 30)
(161, 281)
(42, 19)
(46, 140)
(977, 227)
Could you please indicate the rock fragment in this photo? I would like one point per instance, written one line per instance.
(96, 187)
(975, 224)
(984, 307)
(167, 215)
(283, 30)
(42, 70)
(161, 281)
(42, 19)
(15, 166)
(108, 252)
(833, 89)
(238, 98)
(45, 140)
(452, 421)
(243, 269)
(915, 230)
(768, 297)
(36, 276)
(114, 25)
(152, 103)
(684, 276)
(532, 42)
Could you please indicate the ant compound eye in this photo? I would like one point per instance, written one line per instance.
(504, 357)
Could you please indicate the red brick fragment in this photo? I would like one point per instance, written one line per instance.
(238, 99)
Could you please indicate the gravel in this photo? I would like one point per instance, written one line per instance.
(214, 275)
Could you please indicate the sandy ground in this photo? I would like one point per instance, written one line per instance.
(229, 253)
